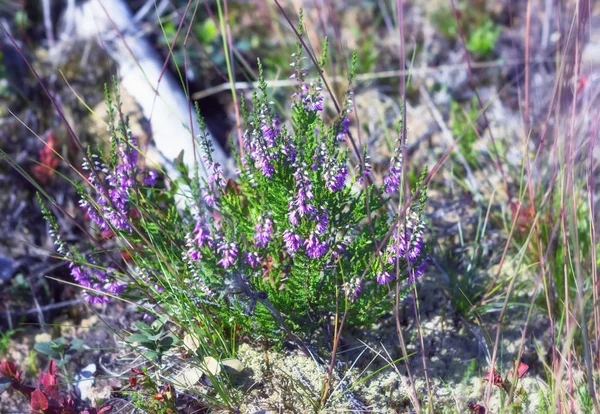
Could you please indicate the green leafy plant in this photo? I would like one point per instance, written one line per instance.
(153, 338)
(59, 350)
(482, 40)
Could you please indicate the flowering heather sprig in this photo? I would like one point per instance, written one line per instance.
(391, 182)
(113, 194)
(315, 248)
(85, 275)
(352, 289)
(229, 252)
(343, 126)
(301, 205)
(263, 231)
(407, 241)
(334, 170)
(252, 259)
(384, 277)
(292, 242)
(151, 178)
(322, 220)
(363, 169)
(417, 272)
(308, 98)
(258, 153)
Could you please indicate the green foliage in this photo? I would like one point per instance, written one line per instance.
(482, 39)
(5, 338)
(481, 33)
(463, 124)
(59, 350)
(153, 339)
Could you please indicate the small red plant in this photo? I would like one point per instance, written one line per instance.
(47, 397)
(44, 171)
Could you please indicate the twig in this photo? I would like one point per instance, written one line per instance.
(361, 78)
(40, 309)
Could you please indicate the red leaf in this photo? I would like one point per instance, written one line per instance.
(476, 408)
(105, 409)
(522, 369)
(39, 402)
(52, 368)
(9, 369)
(496, 378)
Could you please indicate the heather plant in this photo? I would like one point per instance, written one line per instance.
(301, 235)
(298, 235)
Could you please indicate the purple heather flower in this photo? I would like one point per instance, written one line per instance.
(202, 236)
(194, 253)
(258, 153)
(352, 288)
(392, 181)
(363, 172)
(113, 195)
(292, 241)
(335, 177)
(263, 231)
(322, 221)
(150, 180)
(383, 277)
(269, 126)
(81, 275)
(92, 298)
(344, 129)
(209, 198)
(315, 248)
(115, 288)
(252, 259)
(229, 253)
(408, 241)
(217, 175)
(398, 246)
(301, 203)
(417, 273)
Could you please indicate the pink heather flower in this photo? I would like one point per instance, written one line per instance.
(304, 193)
(383, 278)
(262, 234)
(229, 253)
(315, 248)
(292, 241)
